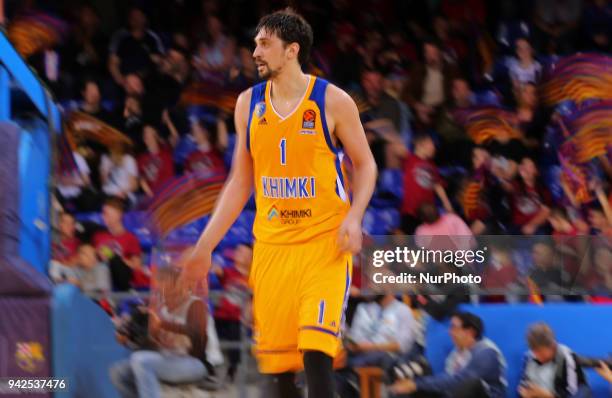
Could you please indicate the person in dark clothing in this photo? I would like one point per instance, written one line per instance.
(134, 50)
(550, 369)
(475, 369)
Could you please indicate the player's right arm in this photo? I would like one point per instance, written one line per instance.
(231, 201)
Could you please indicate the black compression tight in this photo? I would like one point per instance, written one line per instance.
(319, 378)
(319, 374)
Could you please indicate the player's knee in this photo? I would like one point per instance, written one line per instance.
(142, 360)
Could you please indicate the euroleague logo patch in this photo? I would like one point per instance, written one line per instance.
(308, 119)
(260, 109)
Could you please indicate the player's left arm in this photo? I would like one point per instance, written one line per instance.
(347, 128)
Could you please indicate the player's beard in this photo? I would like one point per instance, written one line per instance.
(266, 72)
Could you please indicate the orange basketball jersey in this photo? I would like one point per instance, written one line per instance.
(300, 187)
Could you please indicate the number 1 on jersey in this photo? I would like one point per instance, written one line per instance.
(283, 151)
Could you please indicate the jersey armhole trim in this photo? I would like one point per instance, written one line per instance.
(256, 96)
(318, 96)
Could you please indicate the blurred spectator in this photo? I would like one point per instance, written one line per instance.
(178, 331)
(144, 103)
(500, 272)
(600, 213)
(529, 200)
(74, 189)
(430, 83)
(477, 211)
(557, 23)
(119, 174)
(381, 330)
(64, 250)
(434, 224)
(474, 369)
(561, 224)
(85, 54)
(120, 249)
(215, 53)
(421, 182)
(173, 73)
(372, 89)
(462, 95)
(455, 145)
(571, 248)
(135, 49)
(155, 166)
(211, 145)
(550, 369)
(597, 25)
(531, 116)
(373, 44)
(452, 45)
(244, 72)
(523, 68)
(599, 280)
(234, 299)
(92, 100)
(391, 107)
(547, 272)
(346, 60)
(134, 85)
(599, 221)
(386, 144)
(132, 119)
(92, 275)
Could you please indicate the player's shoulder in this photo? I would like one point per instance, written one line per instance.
(337, 98)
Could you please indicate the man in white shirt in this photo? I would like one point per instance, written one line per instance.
(381, 331)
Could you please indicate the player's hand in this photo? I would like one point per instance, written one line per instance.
(604, 371)
(195, 268)
(350, 236)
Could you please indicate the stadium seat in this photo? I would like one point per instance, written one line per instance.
(487, 97)
(389, 189)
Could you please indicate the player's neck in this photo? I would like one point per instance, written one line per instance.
(289, 85)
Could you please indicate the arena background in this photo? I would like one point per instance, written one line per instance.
(197, 61)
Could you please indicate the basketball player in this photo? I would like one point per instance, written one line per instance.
(290, 130)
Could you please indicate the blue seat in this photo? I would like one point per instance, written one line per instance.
(487, 97)
(184, 148)
(380, 222)
(389, 189)
(90, 217)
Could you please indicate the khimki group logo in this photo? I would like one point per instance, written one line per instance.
(272, 213)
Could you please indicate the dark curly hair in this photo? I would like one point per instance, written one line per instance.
(290, 27)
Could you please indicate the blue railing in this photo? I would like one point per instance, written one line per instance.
(13, 69)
